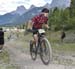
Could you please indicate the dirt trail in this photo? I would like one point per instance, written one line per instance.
(20, 56)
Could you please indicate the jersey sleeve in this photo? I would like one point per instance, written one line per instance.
(34, 19)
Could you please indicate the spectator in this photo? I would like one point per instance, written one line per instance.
(63, 35)
(1, 39)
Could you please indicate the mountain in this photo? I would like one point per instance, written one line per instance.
(47, 6)
(20, 10)
(8, 18)
(31, 7)
(60, 3)
(28, 15)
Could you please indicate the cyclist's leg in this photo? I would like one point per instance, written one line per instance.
(35, 35)
(34, 42)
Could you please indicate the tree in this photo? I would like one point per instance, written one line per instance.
(63, 18)
(55, 19)
(72, 8)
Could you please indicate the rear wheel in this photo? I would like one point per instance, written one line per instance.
(46, 51)
(33, 52)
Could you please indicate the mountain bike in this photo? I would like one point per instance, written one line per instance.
(43, 49)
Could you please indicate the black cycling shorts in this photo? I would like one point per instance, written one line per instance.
(35, 30)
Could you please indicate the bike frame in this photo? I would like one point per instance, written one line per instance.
(40, 36)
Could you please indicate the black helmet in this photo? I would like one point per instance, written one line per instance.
(45, 10)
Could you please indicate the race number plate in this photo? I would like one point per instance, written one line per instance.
(41, 31)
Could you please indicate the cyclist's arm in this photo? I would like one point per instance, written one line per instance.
(30, 24)
(46, 25)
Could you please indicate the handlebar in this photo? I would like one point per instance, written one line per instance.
(30, 30)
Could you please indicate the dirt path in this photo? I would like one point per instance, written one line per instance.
(20, 57)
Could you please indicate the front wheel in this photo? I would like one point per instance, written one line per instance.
(33, 52)
(46, 51)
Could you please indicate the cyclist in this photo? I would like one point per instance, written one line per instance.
(38, 21)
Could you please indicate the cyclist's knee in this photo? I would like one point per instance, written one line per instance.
(36, 37)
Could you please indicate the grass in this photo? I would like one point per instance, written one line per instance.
(12, 67)
(54, 38)
(67, 45)
(4, 57)
(9, 66)
(64, 47)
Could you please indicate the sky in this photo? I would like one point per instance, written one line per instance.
(10, 5)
